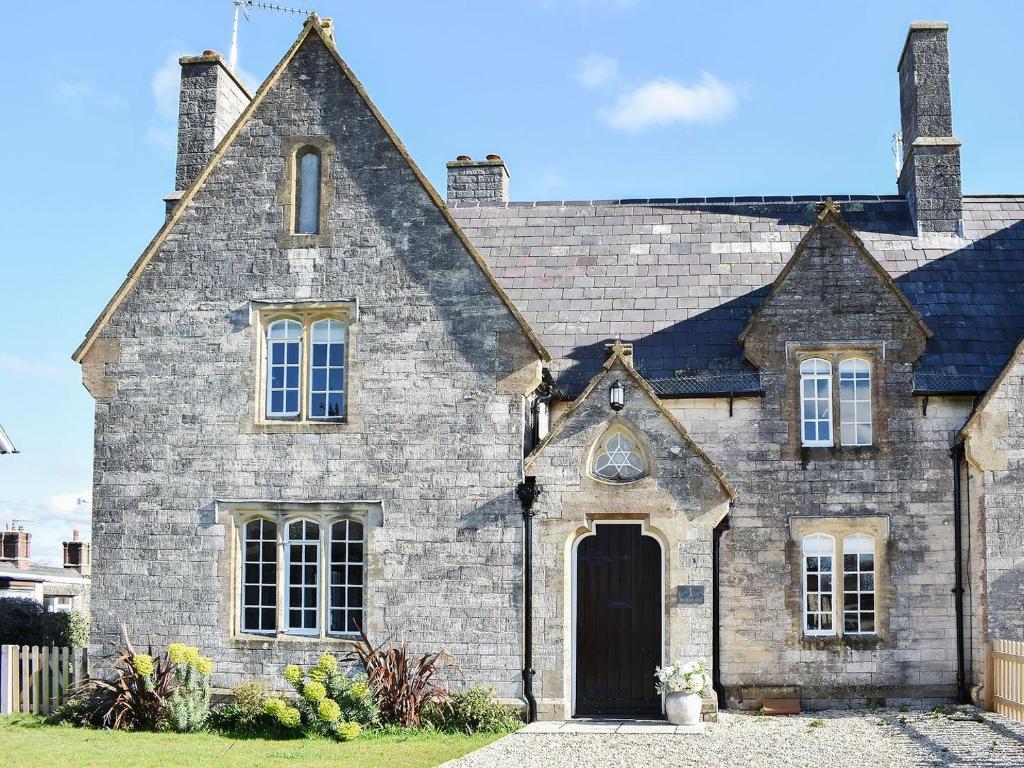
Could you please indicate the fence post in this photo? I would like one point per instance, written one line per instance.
(990, 682)
(6, 679)
(26, 680)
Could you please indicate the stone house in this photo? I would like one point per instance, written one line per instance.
(566, 441)
(57, 589)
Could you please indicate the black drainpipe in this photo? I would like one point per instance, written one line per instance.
(528, 491)
(716, 637)
(957, 454)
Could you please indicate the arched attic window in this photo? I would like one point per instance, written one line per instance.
(307, 191)
(617, 457)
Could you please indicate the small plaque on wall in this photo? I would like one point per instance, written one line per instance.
(689, 594)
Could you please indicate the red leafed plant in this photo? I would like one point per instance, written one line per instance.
(403, 686)
(128, 699)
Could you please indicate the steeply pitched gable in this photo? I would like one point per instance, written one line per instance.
(833, 290)
(617, 361)
(314, 28)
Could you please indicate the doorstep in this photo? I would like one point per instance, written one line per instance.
(623, 727)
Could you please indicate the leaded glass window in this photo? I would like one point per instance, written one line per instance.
(346, 600)
(818, 555)
(858, 585)
(618, 459)
(284, 353)
(307, 193)
(327, 370)
(259, 576)
(855, 401)
(302, 551)
(816, 402)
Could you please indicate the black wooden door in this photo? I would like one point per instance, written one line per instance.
(618, 623)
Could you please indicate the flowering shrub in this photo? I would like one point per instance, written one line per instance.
(330, 703)
(691, 677)
(189, 704)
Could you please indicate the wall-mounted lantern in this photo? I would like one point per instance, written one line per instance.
(617, 396)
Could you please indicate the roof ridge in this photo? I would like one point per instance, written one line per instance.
(734, 200)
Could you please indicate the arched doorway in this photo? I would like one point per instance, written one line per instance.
(618, 635)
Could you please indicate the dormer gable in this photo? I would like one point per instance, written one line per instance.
(833, 291)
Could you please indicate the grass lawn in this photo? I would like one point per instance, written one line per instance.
(26, 743)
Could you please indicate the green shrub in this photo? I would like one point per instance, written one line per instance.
(473, 711)
(330, 703)
(24, 621)
(250, 700)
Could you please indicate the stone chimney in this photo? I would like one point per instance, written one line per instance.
(211, 99)
(930, 176)
(481, 181)
(78, 555)
(15, 544)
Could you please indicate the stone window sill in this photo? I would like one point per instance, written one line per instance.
(293, 642)
(838, 642)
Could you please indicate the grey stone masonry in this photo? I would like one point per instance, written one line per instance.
(429, 440)
(212, 98)
(930, 177)
(481, 181)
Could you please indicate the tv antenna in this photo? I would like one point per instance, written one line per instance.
(244, 6)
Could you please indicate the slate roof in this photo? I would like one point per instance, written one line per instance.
(680, 278)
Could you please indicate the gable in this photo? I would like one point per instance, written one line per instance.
(645, 415)
(313, 68)
(833, 290)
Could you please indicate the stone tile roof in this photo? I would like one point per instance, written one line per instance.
(680, 277)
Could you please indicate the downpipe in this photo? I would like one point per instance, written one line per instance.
(957, 456)
(528, 491)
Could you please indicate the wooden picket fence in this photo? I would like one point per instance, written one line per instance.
(1005, 683)
(37, 680)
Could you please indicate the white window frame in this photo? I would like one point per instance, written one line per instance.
(346, 584)
(260, 585)
(852, 410)
(858, 545)
(810, 373)
(285, 341)
(818, 545)
(303, 542)
(331, 365)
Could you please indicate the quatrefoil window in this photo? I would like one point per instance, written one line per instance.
(618, 459)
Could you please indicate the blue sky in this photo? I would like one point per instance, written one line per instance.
(583, 98)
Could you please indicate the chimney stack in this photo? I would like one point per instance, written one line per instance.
(930, 176)
(15, 544)
(78, 555)
(481, 181)
(211, 99)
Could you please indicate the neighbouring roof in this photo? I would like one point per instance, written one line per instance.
(680, 278)
(44, 573)
(6, 446)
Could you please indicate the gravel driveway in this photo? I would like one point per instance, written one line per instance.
(837, 739)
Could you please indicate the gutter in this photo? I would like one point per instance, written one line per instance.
(528, 491)
(957, 455)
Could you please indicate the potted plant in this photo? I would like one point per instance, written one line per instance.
(684, 686)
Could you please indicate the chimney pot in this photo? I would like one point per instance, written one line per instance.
(494, 157)
(463, 158)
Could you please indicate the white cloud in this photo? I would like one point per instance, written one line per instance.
(595, 70)
(16, 364)
(165, 85)
(665, 101)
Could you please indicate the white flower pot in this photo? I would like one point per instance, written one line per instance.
(683, 708)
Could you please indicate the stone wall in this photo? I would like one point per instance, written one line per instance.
(429, 438)
(679, 503)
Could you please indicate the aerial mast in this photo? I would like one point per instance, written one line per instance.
(244, 6)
